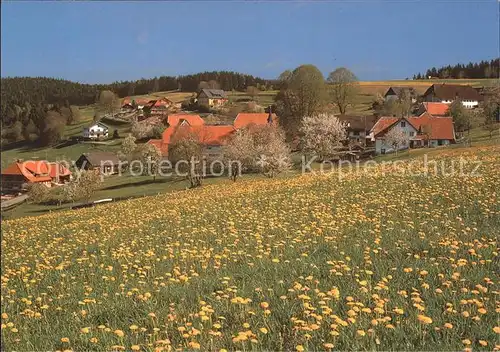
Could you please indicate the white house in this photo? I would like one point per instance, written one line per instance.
(96, 131)
(448, 93)
(423, 130)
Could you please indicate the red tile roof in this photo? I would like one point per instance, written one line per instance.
(383, 123)
(245, 119)
(193, 120)
(207, 134)
(33, 171)
(436, 109)
(158, 143)
(56, 170)
(440, 127)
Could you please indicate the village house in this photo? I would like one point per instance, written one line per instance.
(17, 176)
(103, 162)
(358, 128)
(96, 131)
(213, 137)
(423, 130)
(435, 109)
(394, 93)
(211, 98)
(172, 122)
(159, 106)
(448, 93)
(245, 119)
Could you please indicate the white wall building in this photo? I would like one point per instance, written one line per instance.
(96, 131)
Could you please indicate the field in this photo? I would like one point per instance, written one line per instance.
(383, 260)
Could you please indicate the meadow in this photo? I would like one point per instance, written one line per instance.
(378, 260)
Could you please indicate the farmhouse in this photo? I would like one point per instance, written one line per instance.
(358, 128)
(212, 137)
(21, 173)
(394, 93)
(423, 130)
(448, 93)
(435, 109)
(102, 162)
(96, 131)
(173, 121)
(211, 98)
(159, 106)
(247, 119)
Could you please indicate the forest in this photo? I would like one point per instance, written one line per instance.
(483, 69)
(32, 91)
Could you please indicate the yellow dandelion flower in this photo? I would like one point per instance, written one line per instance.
(263, 330)
(299, 348)
(424, 319)
(119, 333)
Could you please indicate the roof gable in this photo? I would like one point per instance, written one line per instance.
(453, 91)
(213, 93)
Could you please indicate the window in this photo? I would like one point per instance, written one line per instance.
(412, 134)
(403, 124)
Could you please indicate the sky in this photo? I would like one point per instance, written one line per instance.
(102, 42)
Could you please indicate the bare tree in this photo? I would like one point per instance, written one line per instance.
(396, 138)
(108, 102)
(253, 92)
(203, 85)
(322, 135)
(150, 156)
(344, 88)
(186, 152)
(213, 84)
(491, 109)
(272, 151)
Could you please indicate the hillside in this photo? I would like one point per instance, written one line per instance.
(382, 260)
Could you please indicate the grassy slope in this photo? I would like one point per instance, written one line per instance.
(308, 261)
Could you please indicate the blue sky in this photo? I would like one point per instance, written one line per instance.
(100, 42)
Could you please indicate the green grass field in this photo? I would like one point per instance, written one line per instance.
(385, 260)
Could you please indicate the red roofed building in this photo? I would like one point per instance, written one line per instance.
(435, 109)
(21, 173)
(423, 130)
(173, 122)
(244, 119)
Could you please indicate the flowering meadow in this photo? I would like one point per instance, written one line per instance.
(376, 260)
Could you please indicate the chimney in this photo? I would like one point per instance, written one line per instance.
(20, 160)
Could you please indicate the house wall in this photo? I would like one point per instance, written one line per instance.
(95, 132)
(469, 104)
(380, 144)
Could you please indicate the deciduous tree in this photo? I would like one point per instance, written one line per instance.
(344, 88)
(322, 135)
(396, 138)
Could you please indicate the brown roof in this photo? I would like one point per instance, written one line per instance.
(358, 123)
(453, 91)
(95, 158)
(398, 90)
